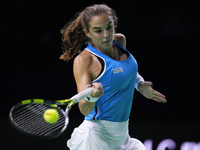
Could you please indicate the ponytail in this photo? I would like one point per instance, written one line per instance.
(73, 38)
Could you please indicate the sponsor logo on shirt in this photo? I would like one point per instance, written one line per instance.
(117, 70)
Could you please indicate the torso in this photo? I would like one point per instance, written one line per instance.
(118, 81)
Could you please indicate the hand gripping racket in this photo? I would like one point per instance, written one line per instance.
(27, 116)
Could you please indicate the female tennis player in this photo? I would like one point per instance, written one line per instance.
(112, 71)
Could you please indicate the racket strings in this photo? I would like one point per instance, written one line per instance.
(29, 118)
(28, 112)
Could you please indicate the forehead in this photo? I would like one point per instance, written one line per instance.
(100, 20)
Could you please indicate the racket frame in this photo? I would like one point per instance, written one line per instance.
(54, 105)
(39, 101)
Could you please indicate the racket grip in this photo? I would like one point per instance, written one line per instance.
(78, 97)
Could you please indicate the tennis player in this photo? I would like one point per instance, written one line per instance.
(112, 71)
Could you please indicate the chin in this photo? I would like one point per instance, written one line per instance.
(106, 47)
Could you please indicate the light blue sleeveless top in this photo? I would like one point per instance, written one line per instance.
(118, 80)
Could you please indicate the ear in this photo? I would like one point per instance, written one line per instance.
(87, 33)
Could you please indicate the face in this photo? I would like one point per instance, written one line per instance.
(101, 31)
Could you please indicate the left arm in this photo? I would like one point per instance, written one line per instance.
(145, 88)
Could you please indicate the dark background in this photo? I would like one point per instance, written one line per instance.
(161, 35)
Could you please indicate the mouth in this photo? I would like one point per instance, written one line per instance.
(106, 42)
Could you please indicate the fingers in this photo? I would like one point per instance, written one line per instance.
(155, 95)
(158, 97)
(148, 84)
(97, 89)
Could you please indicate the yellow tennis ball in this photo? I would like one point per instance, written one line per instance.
(51, 115)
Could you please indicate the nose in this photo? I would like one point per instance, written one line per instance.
(105, 33)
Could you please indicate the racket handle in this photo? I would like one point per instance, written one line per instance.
(82, 94)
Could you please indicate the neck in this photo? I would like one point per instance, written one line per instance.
(111, 52)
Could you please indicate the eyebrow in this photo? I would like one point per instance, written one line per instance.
(100, 27)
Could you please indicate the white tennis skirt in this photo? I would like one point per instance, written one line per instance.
(103, 135)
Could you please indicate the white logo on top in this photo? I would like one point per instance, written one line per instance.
(117, 70)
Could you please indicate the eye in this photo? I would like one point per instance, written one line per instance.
(109, 27)
(98, 31)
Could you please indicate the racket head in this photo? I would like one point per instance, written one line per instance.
(27, 117)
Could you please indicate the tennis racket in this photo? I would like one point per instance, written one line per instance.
(27, 116)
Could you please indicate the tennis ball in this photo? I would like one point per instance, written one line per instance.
(51, 115)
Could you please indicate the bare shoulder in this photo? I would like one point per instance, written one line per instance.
(83, 60)
(120, 38)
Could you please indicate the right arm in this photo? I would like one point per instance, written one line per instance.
(82, 73)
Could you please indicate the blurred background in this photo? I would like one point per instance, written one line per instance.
(161, 35)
